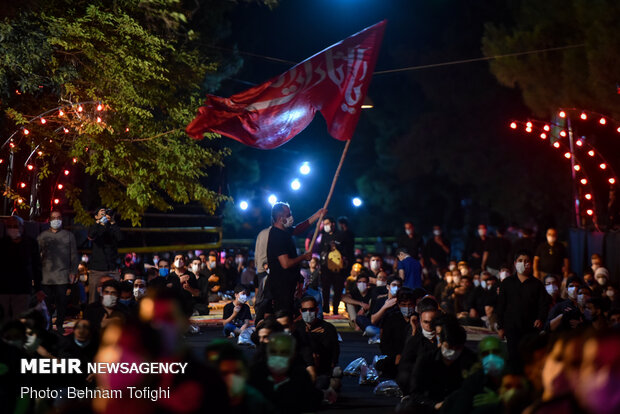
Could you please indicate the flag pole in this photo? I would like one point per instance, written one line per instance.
(329, 196)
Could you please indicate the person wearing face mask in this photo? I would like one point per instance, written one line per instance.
(481, 390)
(109, 308)
(611, 297)
(438, 374)
(423, 341)
(127, 299)
(81, 345)
(593, 313)
(412, 241)
(317, 343)
(139, 289)
(613, 318)
(283, 261)
(357, 299)
(59, 260)
(522, 305)
(21, 269)
(283, 379)
(380, 306)
(233, 369)
(104, 236)
(237, 316)
(375, 264)
(333, 264)
(551, 257)
(477, 246)
(395, 330)
(567, 314)
(553, 289)
(437, 249)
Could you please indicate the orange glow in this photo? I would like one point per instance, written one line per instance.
(30, 167)
(99, 107)
(40, 153)
(584, 181)
(127, 129)
(602, 121)
(26, 132)
(22, 185)
(43, 121)
(60, 186)
(98, 119)
(66, 131)
(60, 112)
(75, 160)
(588, 196)
(80, 109)
(562, 114)
(584, 116)
(20, 200)
(612, 181)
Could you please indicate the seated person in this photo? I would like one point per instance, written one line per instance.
(395, 331)
(108, 308)
(318, 342)
(380, 305)
(593, 313)
(423, 341)
(139, 289)
(81, 344)
(237, 316)
(265, 328)
(357, 298)
(566, 315)
(126, 297)
(441, 372)
(283, 380)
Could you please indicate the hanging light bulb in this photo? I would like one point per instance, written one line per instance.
(98, 119)
(43, 121)
(567, 155)
(30, 167)
(577, 167)
(528, 129)
(591, 153)
(583, 116)
(584, 181)
(26, 132)
(66, 131)
(22, 185)
(40, 153)
(66, 172)
(602, 121)
(56, 201)
(543, 136)
(579, 143)
(20, 200)
(602, 166)
(556, 144)
(562, 114)
(99, 107)
(513, 125)
(60, 112)
(589, 212)
(588, 196)
(547, 128)
(60, 186)
(74, 160)
(528, 124)
(80, 109)
(612, 181)
(562, 133)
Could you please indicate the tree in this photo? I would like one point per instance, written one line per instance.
(140, 61)
(584, 76)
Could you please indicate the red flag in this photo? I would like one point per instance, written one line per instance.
(334, 81)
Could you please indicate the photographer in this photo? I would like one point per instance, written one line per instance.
(104, 236)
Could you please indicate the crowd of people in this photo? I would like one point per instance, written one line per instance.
(550, 336)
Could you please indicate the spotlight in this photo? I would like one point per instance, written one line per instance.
(304, 169)
(357, 201)
(243, 205)
(295, 184)
(272, 199)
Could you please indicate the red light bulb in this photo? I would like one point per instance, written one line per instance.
(513, 125)
(60, 186)
(562, 114)
(588, 196)
(583, 116)
(66, 172)
(602, 121)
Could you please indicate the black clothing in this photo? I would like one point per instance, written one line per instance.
(86, 353)
(347, 239)
(461, 401)
(432, 380)
(570, 311)
(95, 313)
(499, 252)
(415, 346)
(551, 258)
(434, 251)
(519, 305)
(394, 333)
(243, 315)
(21, 266)
(329, 277)
(413, 244)
(281, 282)
(104, 240)
(479, 246)
(320, 342)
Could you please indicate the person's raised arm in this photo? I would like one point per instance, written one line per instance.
(286, 262)
(303, 226)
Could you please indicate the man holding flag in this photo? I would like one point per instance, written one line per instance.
(334, 82)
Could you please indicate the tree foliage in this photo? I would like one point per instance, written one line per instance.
(585, 76)
(141, 61)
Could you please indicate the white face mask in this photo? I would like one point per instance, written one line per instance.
(503, 275)
(483, 284)
(476, 282)
(601, 280)
(409, 232)
(551, 289)
(32, 343)
(374, 265)
(430, 335)
(450, 354)
(328, 228)
(551, 239)
(178, 263)
(195, 268)
(394, 290)
(437, 232)
(452, 267)
(212, 265)
(362, 286)
(482, 232)
(288, 222)
(56, 224)
(243, 298)
(239, 260)
(109, 301)
(85, 259)
(381, 283)
(138, 292)
(406, 311)
(572, 292)
(520, 267)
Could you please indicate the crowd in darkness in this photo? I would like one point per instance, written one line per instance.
(550, 333)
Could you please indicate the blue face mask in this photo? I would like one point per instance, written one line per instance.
(164, 271)
(125, 302)
(493, 365)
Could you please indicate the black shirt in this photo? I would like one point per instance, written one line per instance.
(551, 258)
(394, 333)
(243, 315)
(21, 266)
(281, 281)
(413, 244)
(499, 252)
(319, 340)
(520, 304)
(436, 252)
(104, 240)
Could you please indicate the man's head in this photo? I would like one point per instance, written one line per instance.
(241, 294)
(405, 299)
(573, 284)
(212, 260)
(280, 352)
(309, 308)
(523, 263)
(128, 277)
(139, 288)
(394, 283)
(362, 282)
(233, 369)
(493, 356)
(402, 253)
(375, 263)
(14, 226)
(552, 235)
(382, 278)
(436, 231)
(596, 261)
(409, 228)
(281, 215)
(482, 230)
(463, 267)
(343, 223)
(452, 338)
(267, 327)
(82, 331)
(55, 220)
(126, 293)
(179, 261)
(329, 225)
(100, 213)
(427, 318)
(110, 292)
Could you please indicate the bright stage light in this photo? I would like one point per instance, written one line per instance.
(295, 184)
(305, 168)
(357, 201)
(243, 205)
(272, 199)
